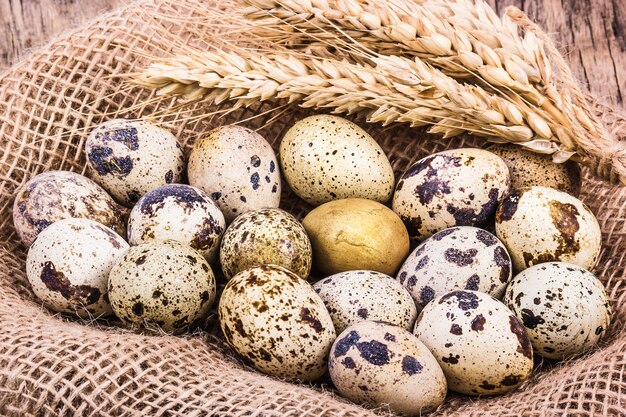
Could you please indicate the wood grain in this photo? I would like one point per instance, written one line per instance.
(591, 33)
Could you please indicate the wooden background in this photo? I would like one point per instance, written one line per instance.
(591, 33)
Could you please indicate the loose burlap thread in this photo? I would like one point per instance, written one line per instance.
(52, 365)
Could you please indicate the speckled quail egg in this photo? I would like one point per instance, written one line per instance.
(458, 187)
(457, 258)
(531, 168)
(266, 236)
(164, 286)
(541, 224)
(237, 167)
(131, 157)
(354, 296)
(479, 343)
(68, 266)
(563, 307)
(56, 195)
(178, 212)
(327, 158)
(355, 233)
(277, 322)
(375, 363)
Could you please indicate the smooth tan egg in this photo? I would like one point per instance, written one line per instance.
(355, 233)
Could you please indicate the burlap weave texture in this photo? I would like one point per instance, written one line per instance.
(50, 365)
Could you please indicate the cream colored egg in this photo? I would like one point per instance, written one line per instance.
(541, 224)
(458, 187)
(131, 157)
(276, 321)
(237, 167)
(531, 168)
(328, 158)
(56, 195)
(355, 296)
(266, 236)
(162, 286)
(178, 212)
(457, 258)
(481, 346)
(563, 307)
(378, 364)
(355, 233)
(68, 266)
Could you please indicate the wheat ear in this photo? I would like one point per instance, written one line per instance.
(393, 89)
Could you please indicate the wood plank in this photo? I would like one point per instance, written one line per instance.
(26, 24)
(591, 33)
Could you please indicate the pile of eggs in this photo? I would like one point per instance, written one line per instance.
(479, 261)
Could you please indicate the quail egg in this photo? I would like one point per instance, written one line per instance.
(541, 224)
(178, 212)
(68, 266)
(354, 296)
(375, 363)
(458, 187)
(481, 346)
(563, 307)
(131, 157)
(531, 168)
(237, 167)
(266, 236)
(164, 286)
(275, 320)
(355, 233)
(457, 258)
(327, 158)
(56, 195)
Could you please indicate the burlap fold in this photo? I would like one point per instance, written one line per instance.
(50, 365)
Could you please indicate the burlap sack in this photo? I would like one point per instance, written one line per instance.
(50, 365)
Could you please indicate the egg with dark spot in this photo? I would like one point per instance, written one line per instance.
(458, 187)
(457, 258)
(68, 266)
(237, 167)
(564, 308)
(131, 157)
(541, 224)
(531, 168)
(481, 346)
(162, 287)
(355, 296)
(266, 236)
(56, 195)
(276, 321)
(178, 212)
(328, 158)
(374, 363)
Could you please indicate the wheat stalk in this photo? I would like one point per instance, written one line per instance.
(393, 89)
